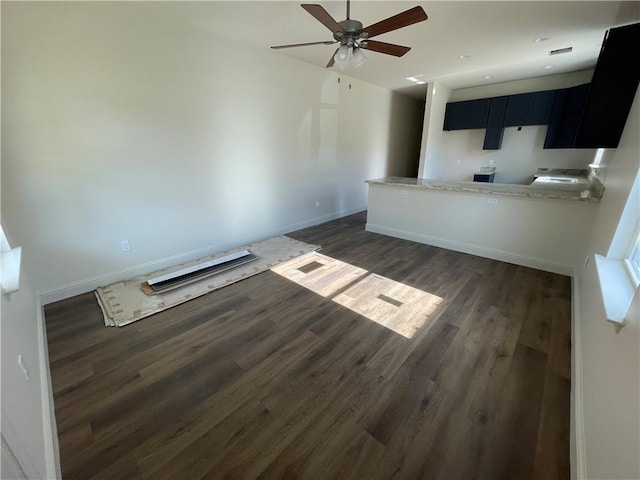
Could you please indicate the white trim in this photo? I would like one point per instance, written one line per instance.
(89, 284)
(578, 453)
(617, 288)
(628, 224)
(633, 264)
(49, 429)
(481, 251)
(631, 273)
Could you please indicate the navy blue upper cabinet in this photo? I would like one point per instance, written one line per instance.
(495, 129)
(498, 112)
(517, 107)
(613, 87)
(566, 112)
(466, 115)
(529, 109)
(540, 107)
(594, 115)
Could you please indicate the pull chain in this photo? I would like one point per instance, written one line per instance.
(350, 65)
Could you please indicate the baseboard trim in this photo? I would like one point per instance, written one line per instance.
(89, 284)
(504, 256)
(578, 455)
(49, 428)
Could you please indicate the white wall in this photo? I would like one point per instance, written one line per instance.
(456, 155)
(120, 124)
(542, 233)
(608, 386)
(28, 425)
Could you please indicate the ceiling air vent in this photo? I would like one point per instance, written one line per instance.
(560, 51)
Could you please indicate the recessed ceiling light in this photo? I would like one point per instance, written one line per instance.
(541, 39)
(547, 67)
(487, 77)
(416, 79)
(461, 57)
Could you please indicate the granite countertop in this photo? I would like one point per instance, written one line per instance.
(587, 189)
(561, 171)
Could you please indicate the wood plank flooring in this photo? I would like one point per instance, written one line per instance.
(304, 375)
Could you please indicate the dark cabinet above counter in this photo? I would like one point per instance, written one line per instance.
(496, 113)
(567, 109)
(495, 121)
(529, 109)
(592, 115)
(466, 115)
(613, 87)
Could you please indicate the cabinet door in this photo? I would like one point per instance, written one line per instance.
(529, 109)
(566, 112)
(495, 123)
(466, 115)
(517, 109)
(540, 108)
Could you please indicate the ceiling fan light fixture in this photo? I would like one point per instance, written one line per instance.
(359, 58)
(341, 62)
(351, 34)
(343, 52)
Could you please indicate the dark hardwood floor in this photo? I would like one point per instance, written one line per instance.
(268, 379)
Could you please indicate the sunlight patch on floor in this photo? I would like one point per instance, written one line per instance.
(392, 304)
(319, 273)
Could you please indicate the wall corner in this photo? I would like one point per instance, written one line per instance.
(435, 104)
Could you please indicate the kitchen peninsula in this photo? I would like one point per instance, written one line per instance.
(540, 226)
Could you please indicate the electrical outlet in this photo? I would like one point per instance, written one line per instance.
(404, 192)
(492, 201)
(125, 245)
(490, 162)
(457, 162)
(317, 203)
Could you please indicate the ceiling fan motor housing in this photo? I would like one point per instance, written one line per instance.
(350, 34)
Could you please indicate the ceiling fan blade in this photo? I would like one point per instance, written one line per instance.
(327, 42)
(323, 17)
(411, 16)
(388, 48)
(332, 59)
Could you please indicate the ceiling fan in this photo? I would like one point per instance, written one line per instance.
(351, 35)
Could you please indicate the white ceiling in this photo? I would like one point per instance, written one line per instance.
(498, 36)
